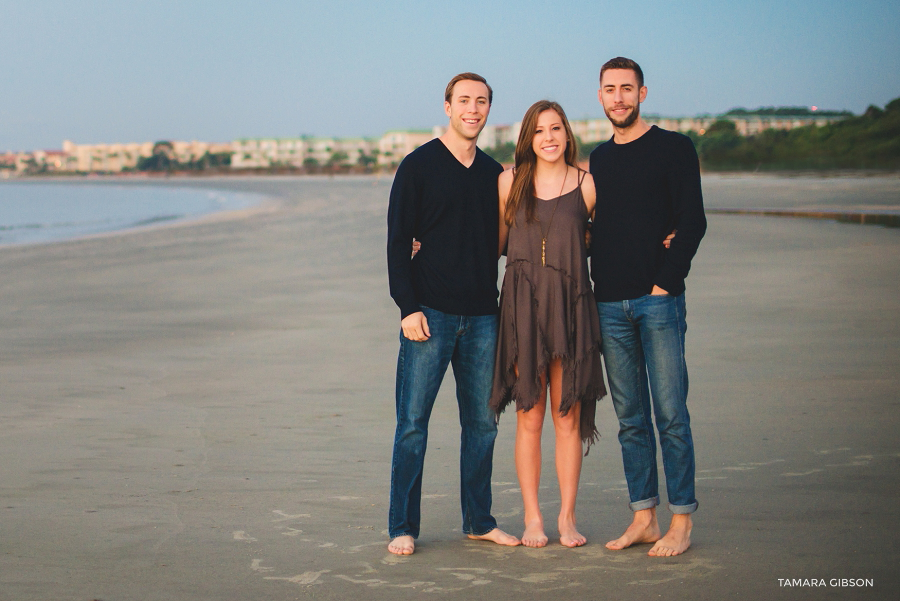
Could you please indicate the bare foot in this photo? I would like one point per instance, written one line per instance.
(497, 536)
(569, 535)
(402, 545)
(643, 529)
(534, 535)
(677, 540)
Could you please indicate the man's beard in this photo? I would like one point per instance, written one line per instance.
(631, 118)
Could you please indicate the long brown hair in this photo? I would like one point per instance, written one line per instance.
(522, 189)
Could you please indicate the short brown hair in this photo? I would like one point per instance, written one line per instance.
(620, 62)
(448, 93)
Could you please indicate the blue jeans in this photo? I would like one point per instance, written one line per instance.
(468, 343)
(643, 347)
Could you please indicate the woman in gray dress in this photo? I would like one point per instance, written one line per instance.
(549, 330)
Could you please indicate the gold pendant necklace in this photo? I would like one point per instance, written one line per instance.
(550, 223)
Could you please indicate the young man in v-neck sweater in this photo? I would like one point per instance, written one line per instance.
(445, 195)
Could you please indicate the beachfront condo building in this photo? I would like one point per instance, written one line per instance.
(394, 145)
(302, 152)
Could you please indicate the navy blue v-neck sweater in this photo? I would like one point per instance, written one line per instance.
(452, 210)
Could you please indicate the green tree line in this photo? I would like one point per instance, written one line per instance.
(869, 141)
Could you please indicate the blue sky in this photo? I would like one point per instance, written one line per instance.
(126, 71)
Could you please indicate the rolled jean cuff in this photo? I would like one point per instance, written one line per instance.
(645, 504)
(682, 509)
(489, 529)
(393, 536)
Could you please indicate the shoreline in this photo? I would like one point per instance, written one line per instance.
(754, 191)
(262, 203)
(889, 218)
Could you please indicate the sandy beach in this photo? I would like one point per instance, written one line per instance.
(205, 412)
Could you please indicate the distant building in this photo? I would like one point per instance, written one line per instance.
(359, 150)
(35, 161)
(106, 158)
(255, 153)
(394, 145)
(321, 150)
(491, 136)
(591, 131)
(746, 125)
(9, 162)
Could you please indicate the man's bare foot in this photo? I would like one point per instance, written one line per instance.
(497, 536)
(643, 529)
(402, 545)
(534, 535)
(569, 535)
(677, 540)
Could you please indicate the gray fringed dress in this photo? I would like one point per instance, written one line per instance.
(549, 312)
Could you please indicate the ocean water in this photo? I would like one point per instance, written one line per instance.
(34, 213)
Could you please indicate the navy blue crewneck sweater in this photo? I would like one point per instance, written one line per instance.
(645, 189)
(452, 210)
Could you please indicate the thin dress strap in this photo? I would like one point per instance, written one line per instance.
(581, 174)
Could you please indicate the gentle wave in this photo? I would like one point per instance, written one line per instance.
(34, 213)
(160, 219)
(44, 226)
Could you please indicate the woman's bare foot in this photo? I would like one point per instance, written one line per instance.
(643, 529)
(402, 545)
(534, 535)
(677, 540)
(569, 535)
(497, 536)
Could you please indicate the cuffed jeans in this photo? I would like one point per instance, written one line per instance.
(468, 343)
(643, 347)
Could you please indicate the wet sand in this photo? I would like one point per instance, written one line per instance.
(206, 412)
